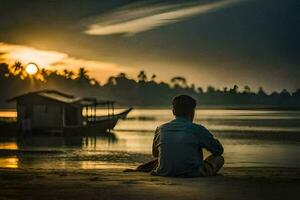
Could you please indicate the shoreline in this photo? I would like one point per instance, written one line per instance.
(232, 183)
(201, 107)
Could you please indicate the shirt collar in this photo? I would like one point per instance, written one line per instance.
(182, 119)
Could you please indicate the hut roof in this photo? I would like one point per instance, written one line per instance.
(63, 98)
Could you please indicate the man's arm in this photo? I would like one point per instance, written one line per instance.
(155, 151)
(208, 142)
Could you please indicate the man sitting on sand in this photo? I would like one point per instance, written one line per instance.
(178, 145)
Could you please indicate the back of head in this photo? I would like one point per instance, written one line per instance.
(184, 106)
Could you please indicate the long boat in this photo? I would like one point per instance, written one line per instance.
(54, 112)
(101, 125)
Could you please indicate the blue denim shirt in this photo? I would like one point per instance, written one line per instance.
(178, 145)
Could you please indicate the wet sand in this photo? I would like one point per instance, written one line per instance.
(232, 183)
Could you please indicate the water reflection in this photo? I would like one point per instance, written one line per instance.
(123, 149)
(48, 142)
(10, 145)
(50, 151)
(7, 160)
(94, 142)
(8, 114)
(250, 138)
(218, 120)
(10, 162)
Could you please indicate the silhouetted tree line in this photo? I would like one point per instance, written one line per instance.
(143, 91)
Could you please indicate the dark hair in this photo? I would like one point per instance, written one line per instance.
(183, 105)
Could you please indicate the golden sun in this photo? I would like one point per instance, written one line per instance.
(31, 68)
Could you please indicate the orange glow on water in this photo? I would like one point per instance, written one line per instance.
(8, 146)
(9, 114)
(11, 162)
(102, 165)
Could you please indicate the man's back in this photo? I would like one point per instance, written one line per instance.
(178, 145)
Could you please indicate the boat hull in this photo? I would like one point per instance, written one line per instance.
(92, 128)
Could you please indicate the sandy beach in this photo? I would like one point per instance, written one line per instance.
(232, 183)
(261, 162)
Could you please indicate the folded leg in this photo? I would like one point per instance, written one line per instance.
(211, 165)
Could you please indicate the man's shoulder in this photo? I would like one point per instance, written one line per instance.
(192, 125)
(198, 127)
(166, 124)
(189, 125)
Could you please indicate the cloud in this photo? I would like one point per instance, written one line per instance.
(9, 53)
(138, 18)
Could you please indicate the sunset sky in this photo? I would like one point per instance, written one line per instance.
(211, 42)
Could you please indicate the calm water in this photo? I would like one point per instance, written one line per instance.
(250, 138)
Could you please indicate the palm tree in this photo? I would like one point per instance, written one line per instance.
(68, 74)
(200, 90)
(142, 77)
(17, 67)
(153, 77)
(261, 92)
(179, 81)
(18, 70)
(82, 75)
(65, 73)
(122, 75)
(247, 89)
(111, 81)
(234, 89)
(210, 90)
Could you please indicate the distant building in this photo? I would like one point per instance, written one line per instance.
(54, 111)
(49, 109)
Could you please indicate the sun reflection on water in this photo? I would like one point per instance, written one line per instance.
(11, 162)
(250, 138)
(9, 145)
(102, 165)
(8, 114)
